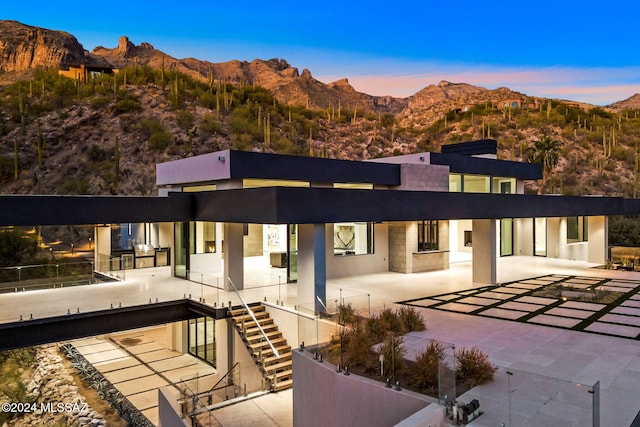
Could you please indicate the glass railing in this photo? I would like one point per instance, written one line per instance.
(43, 276)
(516, 397)
(200, 396)
(341, 297)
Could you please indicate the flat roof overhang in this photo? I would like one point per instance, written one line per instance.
(492, 167)
(287, 205)
(26, 210)
(233, 164)
(290, 205)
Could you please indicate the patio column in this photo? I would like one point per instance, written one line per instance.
(234, 254)
(598, 236)
(312, 266)
(484, 251)
(102, 248)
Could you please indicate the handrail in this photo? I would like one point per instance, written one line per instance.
(223, 377)
(254, 318)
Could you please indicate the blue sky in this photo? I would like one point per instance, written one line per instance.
(586, 51)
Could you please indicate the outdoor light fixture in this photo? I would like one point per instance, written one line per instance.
(221, 158)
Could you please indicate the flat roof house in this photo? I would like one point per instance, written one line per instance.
(315, 219)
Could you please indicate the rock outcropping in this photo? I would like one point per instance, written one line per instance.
(23, 47)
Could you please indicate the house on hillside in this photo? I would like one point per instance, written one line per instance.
(85, 72)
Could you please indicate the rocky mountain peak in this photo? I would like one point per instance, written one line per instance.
(631, 103)
(125, 47)
(23, 47)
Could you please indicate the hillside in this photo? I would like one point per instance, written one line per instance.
(106, 135)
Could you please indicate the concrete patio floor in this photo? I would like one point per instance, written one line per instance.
(563, 356)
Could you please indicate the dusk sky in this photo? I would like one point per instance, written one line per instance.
(586, 51)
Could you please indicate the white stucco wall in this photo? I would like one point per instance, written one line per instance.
(524, 236)
(353, 265)
(322, 396)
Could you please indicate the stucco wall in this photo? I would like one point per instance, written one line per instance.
(322, 396)
(169, 409)
(353, 265)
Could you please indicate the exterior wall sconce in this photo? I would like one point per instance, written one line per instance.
(221, 158)
(422, 158)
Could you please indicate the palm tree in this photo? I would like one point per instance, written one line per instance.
(545, 151)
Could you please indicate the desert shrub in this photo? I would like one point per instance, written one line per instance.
(6, 169)
(158, 136)
(127, 106)
(75, 186)
(393, 352)
(160, 140)
(411, 319)
(96, 153)
(210, 124)
(392, 320)
(425, 374)
(98, 102)
(473, 367)
(185, 119)
(357, 347)
(347, 315)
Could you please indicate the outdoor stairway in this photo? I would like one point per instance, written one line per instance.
(277, 371)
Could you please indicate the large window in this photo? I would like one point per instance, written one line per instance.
(203, 235)
(506, 237)
(353, 238)
(576, 229)
(504, 185)
(202, 342)
(428, 236)
(540, 236)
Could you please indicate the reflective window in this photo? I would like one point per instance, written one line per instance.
(455, 183)
(204, 237)
(353, 238)
(476, 184)
(428, 236)
(576, 229)
(504, 185)
(201, 339)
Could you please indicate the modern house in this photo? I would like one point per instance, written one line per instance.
(313, 219)
(327, 218)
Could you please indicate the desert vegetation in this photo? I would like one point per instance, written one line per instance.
(360, 343)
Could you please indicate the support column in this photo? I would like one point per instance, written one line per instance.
(312, 266)
(233, 254)
(102, 248)
(484, 251)
(598, 236)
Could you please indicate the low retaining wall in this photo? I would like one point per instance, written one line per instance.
(322, 396)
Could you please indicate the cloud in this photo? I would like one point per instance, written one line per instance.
(599, 86)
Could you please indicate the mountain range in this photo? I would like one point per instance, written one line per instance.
(55, 138)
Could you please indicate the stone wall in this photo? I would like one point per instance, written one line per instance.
(53, 385)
